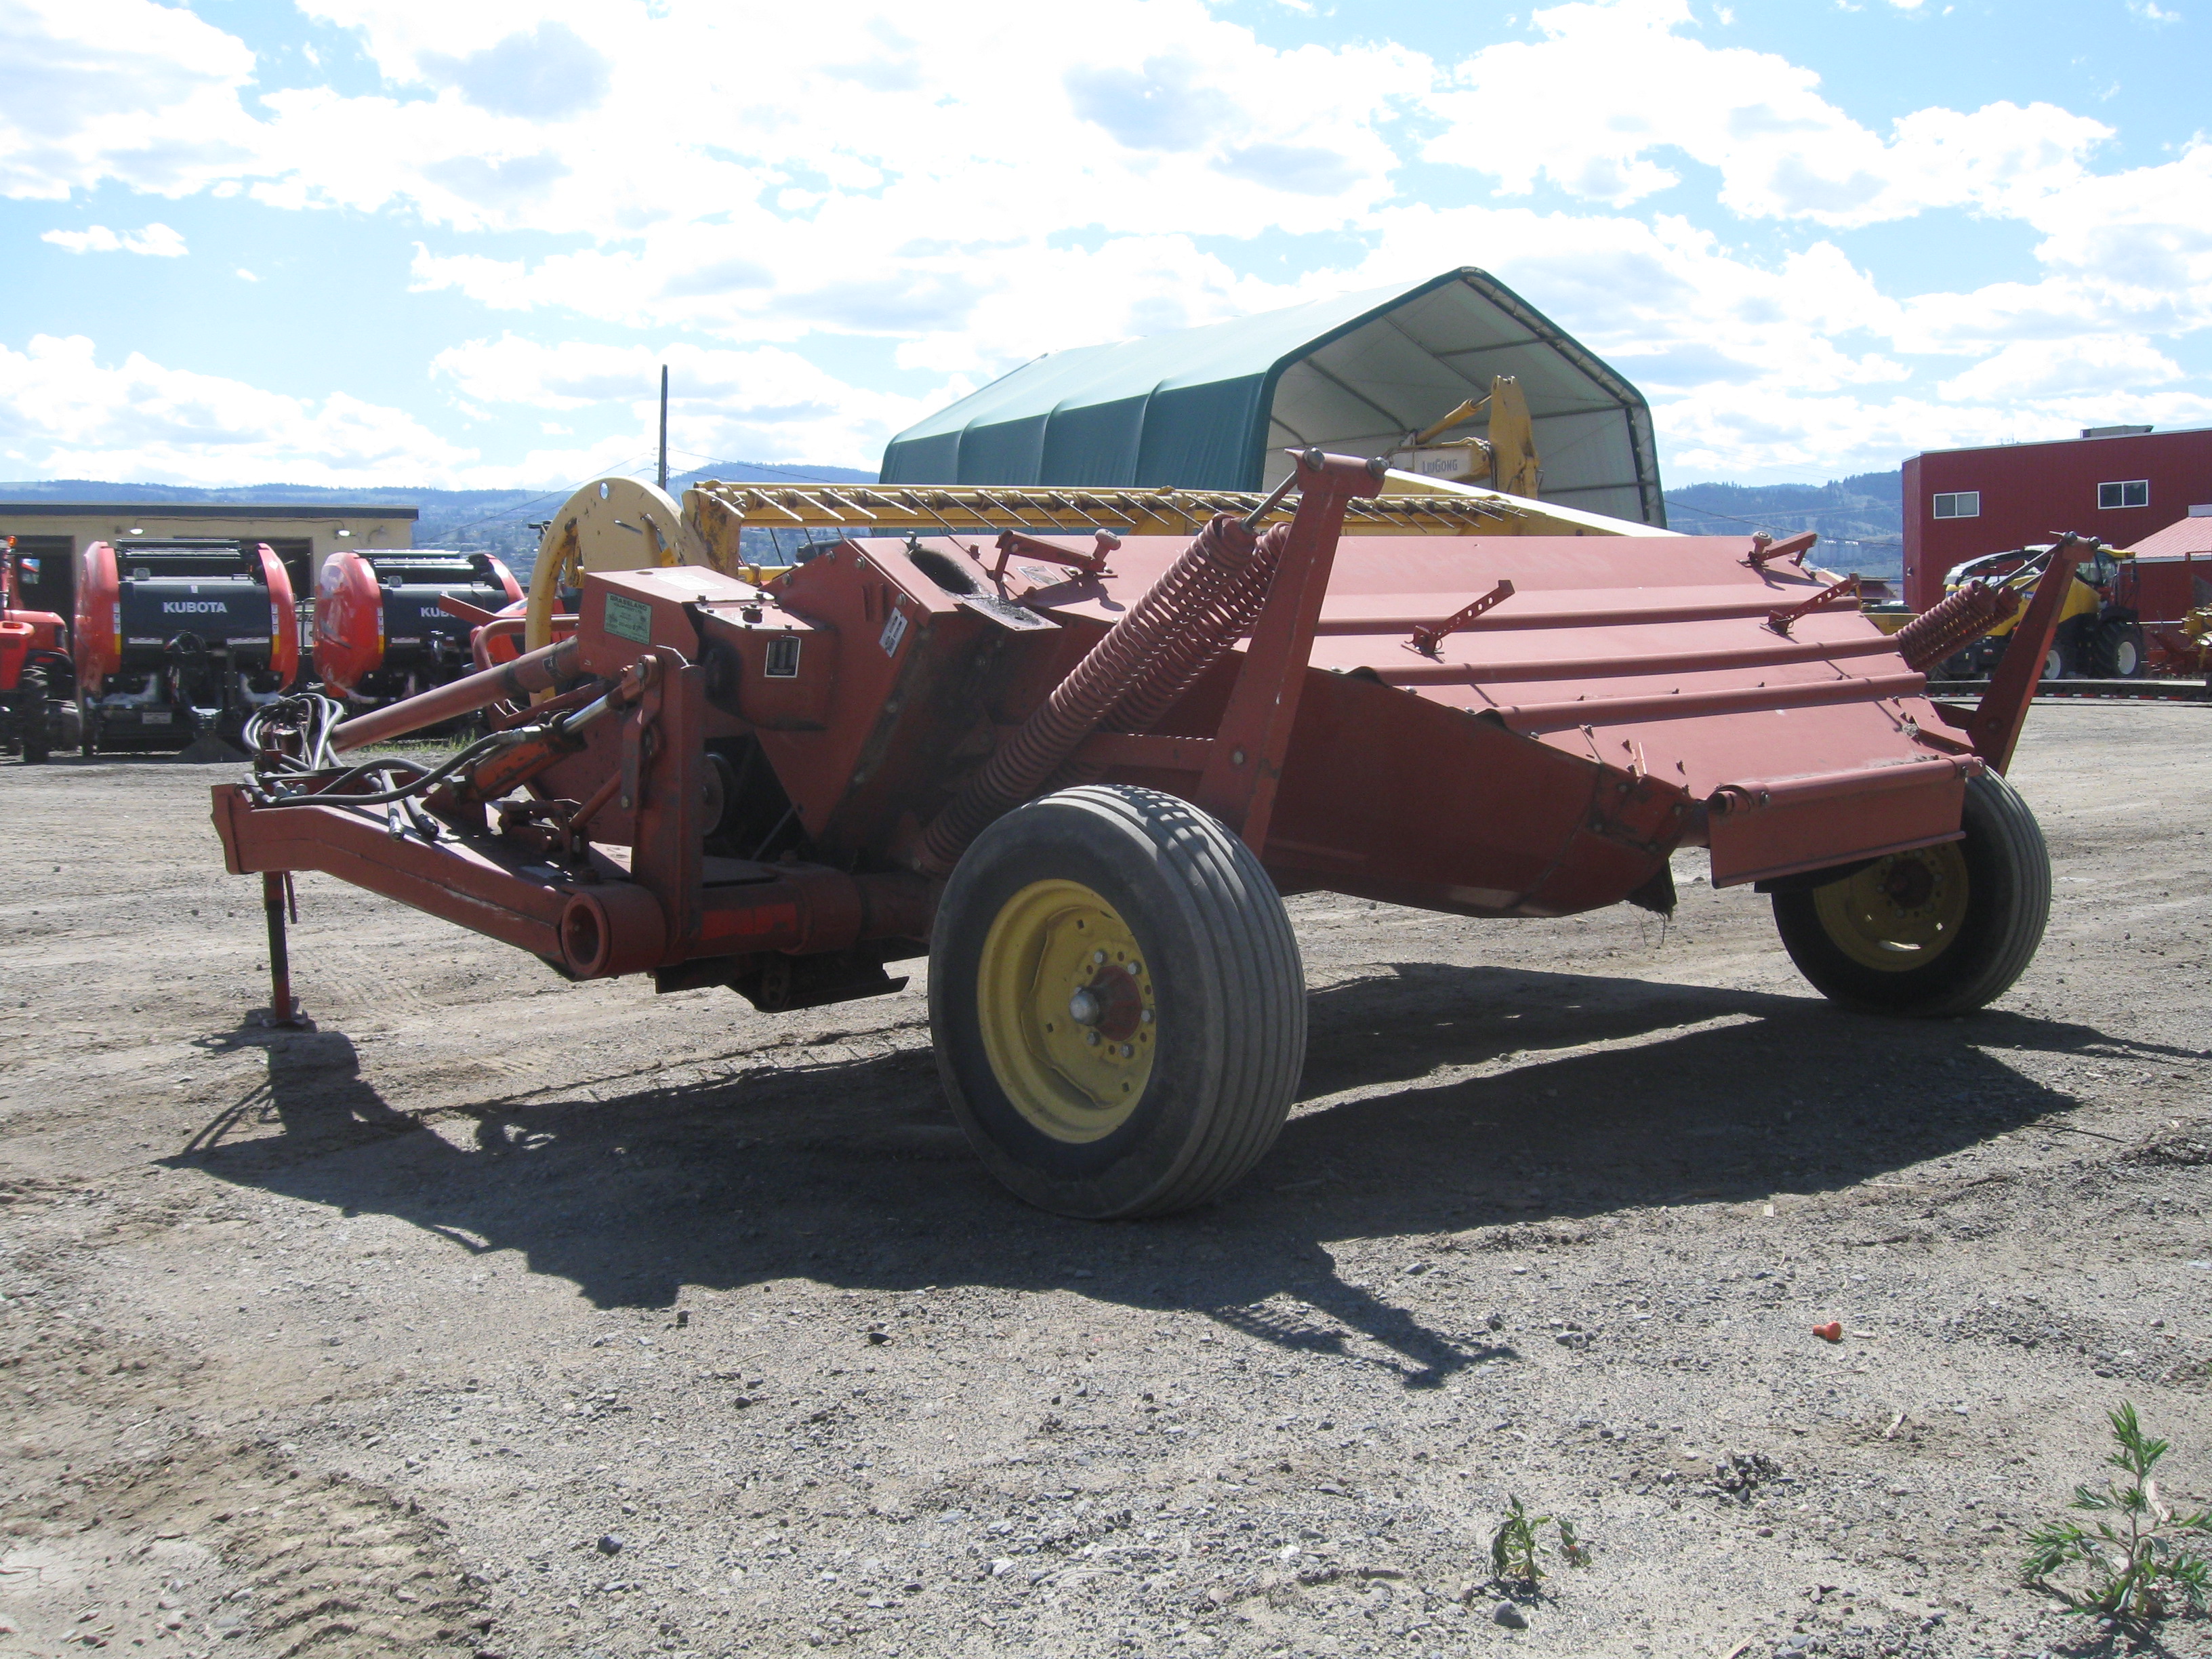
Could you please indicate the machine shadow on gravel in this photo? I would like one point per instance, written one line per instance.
(847, 1172)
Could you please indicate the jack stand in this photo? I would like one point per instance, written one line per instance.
(276, 895)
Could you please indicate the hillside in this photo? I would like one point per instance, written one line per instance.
(1861, 519)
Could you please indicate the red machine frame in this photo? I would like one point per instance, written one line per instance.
(1557, 762)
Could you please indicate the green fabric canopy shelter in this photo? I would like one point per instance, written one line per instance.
(1213, 408)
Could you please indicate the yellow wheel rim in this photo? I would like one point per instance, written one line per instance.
(1900, 913)
(1069, 1022)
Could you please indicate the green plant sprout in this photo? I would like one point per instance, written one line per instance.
(2138, 1564)
(1516, 1548)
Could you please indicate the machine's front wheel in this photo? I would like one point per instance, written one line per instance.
(1118, 1002)
(1938, 930)
(2120, 650)
(31, 705)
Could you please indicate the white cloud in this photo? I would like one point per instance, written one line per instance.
(2033, 370)
(880, 181)
(65, 414)
(157, 240)
(1649, 95)
(129, 90)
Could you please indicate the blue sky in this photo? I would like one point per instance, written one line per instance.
(364, 241)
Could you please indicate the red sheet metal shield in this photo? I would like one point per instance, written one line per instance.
(1626, 696)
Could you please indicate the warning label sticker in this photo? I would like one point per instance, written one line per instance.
(894, 631)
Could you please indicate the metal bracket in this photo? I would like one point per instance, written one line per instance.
(1092, 563)
(1997, 719)
(1427, 637)
(1764, 549)
(1254, 734)
(637, 737)
(1780, 621)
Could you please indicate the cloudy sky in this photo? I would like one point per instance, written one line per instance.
(387, 242)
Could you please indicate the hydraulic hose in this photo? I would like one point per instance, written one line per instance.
(514, 681)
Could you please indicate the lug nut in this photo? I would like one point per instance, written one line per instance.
(1091, 1037)
(1097, 956)
(1126, 1050)
(1146, 1017)
(1135, 968)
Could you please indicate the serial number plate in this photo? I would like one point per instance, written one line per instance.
(629, 619)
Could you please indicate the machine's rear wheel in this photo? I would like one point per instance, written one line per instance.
(1118, 1003)
(1938, 930)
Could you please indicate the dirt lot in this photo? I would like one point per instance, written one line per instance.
(502, 1316)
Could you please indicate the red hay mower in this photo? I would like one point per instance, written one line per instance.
(1078, 773)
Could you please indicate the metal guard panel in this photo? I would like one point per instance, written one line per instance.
(1661, 660)
(1763, 834)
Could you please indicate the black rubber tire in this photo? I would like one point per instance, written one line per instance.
(1222, 957)
(2007, 906)
(2119, 651)
(31, 715)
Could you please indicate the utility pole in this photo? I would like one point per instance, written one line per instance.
(662, 474)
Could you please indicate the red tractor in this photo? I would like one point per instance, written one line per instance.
(38, 681)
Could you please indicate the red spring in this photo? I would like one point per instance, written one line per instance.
(1202, 643)
(1124, 666)
(1954, 624)
(1187, 656)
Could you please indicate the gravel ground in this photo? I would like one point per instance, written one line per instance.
(501, 1316)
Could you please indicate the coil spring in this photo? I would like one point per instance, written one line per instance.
(1121, 666)
(1186, 658)
(1954, 624)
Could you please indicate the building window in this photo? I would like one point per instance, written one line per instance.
(1959, 504)
(2134, 493)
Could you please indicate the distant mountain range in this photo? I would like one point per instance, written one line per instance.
(1861, 519)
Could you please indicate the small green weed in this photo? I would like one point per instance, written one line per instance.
(1517, 1547)
(2137, 1562)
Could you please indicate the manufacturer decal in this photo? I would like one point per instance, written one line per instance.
(192, 608)
(894, 631)
(629, 619)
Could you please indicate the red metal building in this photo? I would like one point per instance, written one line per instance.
(2121, 483)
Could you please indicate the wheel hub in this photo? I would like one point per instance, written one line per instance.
(1067, 1007)
(1900, 912)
